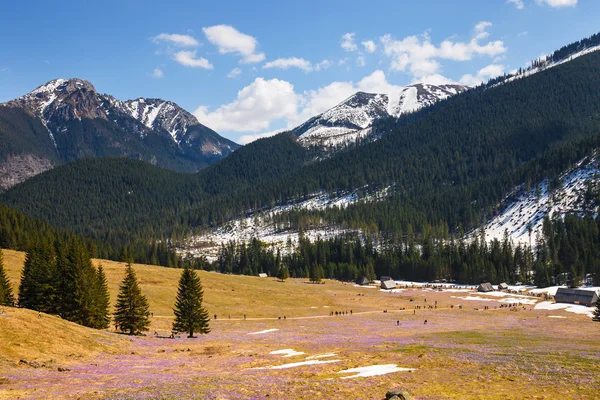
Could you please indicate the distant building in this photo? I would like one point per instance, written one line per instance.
(385, 278)
(485, 287)
(388, 284)
(576, 296)
(362, 281)
(503, 286)
(262, 275)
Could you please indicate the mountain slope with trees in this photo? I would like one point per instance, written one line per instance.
(449, 165)
(67, 119)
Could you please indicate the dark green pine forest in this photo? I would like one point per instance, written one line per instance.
(449, 167)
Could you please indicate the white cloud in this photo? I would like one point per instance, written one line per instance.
(245, 139)
(189, 59)
(420, 56)
(254, 108)
(557, 3)
(369, 46)
(158, 73)
(176, 39)
(347, 42)
(265, 103)
(292, 62)
(360, 61)
(342, 61)
(234, 73)
(435, 79)
(317, 101)
(230, 40)
(481, 29)
(518, 3)
(484, 74)
(323, 65)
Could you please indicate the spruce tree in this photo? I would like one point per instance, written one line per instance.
(37, 290)
(6, 294)
(316, 273)
(597, 311)
(102, 303)
(131, 311)
(190, 316)
(283, 273)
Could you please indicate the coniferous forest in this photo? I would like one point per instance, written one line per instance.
(568, 253)
(448, 168)
(451, 162)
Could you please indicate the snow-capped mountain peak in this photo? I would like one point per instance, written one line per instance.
(352, 119)
(72, 98)
(160, 114)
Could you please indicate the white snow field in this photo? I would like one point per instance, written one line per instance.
(262, 332)
(573, 308)
(287, 352)
(373, 370)
(299, 364)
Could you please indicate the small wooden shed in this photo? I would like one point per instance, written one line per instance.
(576, 296)
(388, 284)
(485, 287)
(362, 281)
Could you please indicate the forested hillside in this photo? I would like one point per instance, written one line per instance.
(120, 200)
(449, 165)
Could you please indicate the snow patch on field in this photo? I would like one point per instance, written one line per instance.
(574, 308)
(391, 290)
(472, 298)
(299, 364)
(517, 300)
(373, 370)
(265, 331)
(502, 294)
(287, 352)
(557, 316)
(548, 290)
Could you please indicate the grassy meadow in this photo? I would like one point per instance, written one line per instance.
(460, 353)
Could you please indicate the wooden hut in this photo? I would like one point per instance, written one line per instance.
(576, 296)
(388, 284)
(362, 281)
(485, 287)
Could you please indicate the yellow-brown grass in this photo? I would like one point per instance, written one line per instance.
(231, 295)
(461, 353)
(28, 335)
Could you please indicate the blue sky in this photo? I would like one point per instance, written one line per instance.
(248, 69)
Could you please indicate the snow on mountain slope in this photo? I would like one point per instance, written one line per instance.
(420, 95)
(527, 211)
(62, 100)
(261, 225)
(351, 119)
(547, 63)
(160, 114)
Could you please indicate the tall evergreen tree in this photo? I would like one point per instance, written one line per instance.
(597, 311)
(102, 297)
(283, 273)
(131, 311)
(190, 315)
(6, 294)
(36, 289)
(316, 273)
